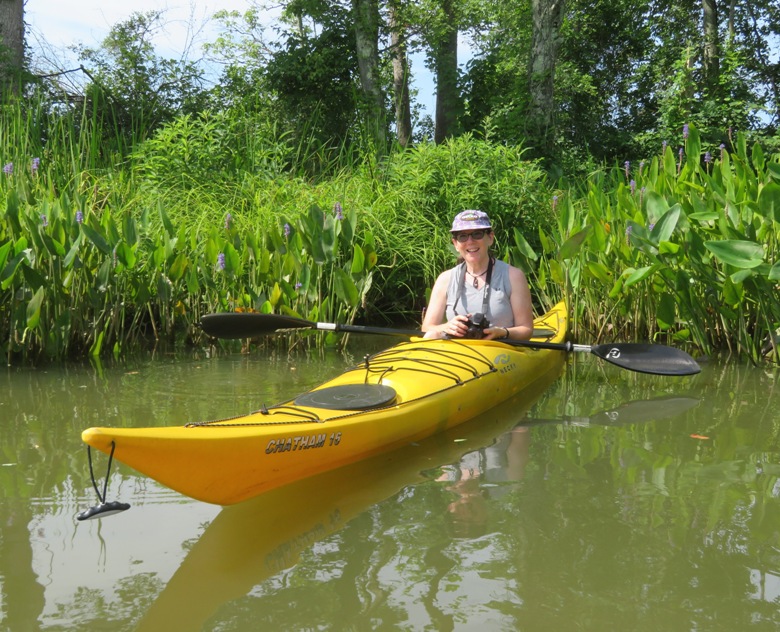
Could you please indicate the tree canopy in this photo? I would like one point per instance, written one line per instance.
(573, 81)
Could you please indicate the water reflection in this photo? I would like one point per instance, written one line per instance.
(662, 517)
(259, 538)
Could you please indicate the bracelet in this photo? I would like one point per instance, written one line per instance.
(506, 333)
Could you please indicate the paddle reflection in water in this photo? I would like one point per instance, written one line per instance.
(255, 540)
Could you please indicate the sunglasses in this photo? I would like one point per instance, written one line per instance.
(476, 235)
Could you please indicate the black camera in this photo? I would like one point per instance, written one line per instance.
(476, 326)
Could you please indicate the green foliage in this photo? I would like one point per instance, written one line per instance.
(680, 250)
(133, 88)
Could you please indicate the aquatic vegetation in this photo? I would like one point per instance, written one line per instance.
(102, 249)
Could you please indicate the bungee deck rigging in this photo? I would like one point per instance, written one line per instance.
(450, 363)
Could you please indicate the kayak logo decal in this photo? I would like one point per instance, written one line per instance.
(303, 442)
(503, 362)
(614, 352)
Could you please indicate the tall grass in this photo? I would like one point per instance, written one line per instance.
(103, 248)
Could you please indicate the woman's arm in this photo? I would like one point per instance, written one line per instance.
(434, 324)
(522, 312)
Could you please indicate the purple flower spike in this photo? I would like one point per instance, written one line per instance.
(8, 169)
(44, 220)
(287, 231)
(221, 261)
(337, 210)
(554, 201)
(79, 217)
(228, 221)
(707, 157)
(632, 184)
(686, 131)
(36, 162)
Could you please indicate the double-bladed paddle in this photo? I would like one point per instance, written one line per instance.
(640, 357)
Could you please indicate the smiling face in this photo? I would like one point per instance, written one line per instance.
(475, 252)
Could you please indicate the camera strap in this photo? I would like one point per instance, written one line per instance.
(462, 285)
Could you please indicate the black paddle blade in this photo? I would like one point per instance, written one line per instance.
(647, 358)
(249, 324)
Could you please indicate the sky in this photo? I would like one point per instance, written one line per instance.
(63, 23)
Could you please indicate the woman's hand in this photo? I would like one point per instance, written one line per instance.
(456, 327)
(496, 333)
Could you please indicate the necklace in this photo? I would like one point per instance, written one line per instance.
(476, 276)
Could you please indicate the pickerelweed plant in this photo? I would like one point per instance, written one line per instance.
(681, 249)
(78, 274)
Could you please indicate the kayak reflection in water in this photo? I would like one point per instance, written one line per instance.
(481, 475)
(480, 285)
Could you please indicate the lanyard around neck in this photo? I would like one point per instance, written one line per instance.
(462, 285)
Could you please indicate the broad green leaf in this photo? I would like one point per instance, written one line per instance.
(617, 288)
(358, 261)
(129, 229)
(345, 288)
(704, 216)
(523, 246)
(97, 239)
(666, 224)
(656, 206)
(97, 345)
(5, 249)
(573, 244)
(600, 271)
(232, 259)
(693, 148)
(774, 273)
(179, 266)
(769, 201)
(740, 275)
(34, 309)
(276, 294)
(126, 255)
(635, 276)
(665, 312)
(9, 271)
(732, 292)
(329, 238)
(737, 253)
(556, 272)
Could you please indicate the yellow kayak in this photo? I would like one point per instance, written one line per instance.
(408, 392)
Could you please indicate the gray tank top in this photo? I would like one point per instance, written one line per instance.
(499, 312)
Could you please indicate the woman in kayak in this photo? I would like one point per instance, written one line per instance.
(479, 284)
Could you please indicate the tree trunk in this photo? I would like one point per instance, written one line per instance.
(366, 14)
(711, 57)
(446, 70)
(403, 112)
(546, 16)
(11, 44)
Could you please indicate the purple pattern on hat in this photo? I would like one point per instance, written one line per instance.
(470, 220)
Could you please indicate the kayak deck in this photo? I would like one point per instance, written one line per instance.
(405, 393)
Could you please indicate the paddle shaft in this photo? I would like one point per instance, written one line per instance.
(644, 358)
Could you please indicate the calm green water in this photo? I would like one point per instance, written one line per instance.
(613, 501)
